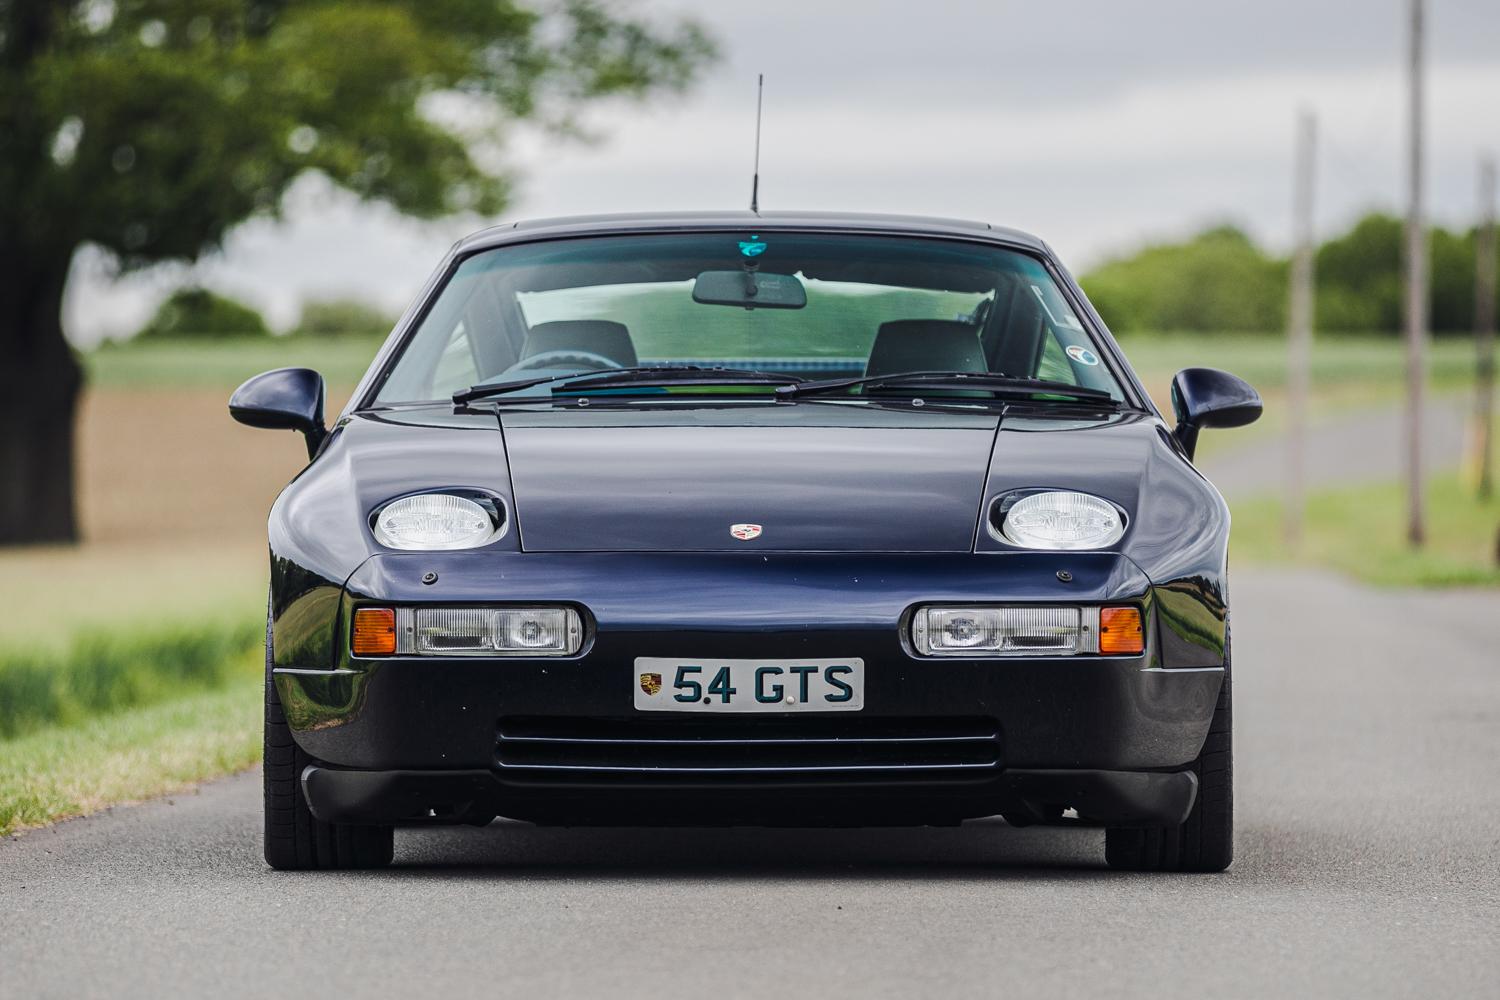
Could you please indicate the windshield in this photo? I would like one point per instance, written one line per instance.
(801, 305)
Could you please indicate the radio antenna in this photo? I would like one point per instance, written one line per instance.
(760, 88)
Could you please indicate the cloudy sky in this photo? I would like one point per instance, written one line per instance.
(1096, 124)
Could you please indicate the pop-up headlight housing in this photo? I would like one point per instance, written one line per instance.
(1060, 520)
(439, 521)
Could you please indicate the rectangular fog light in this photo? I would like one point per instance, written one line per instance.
(999, 631)
(489, 631)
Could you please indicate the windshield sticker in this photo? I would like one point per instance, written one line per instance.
(1083, 355)
(753, 247)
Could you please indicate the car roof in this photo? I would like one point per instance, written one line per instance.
(637, 222)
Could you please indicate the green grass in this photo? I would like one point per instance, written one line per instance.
(102, 672)
(1337, 361)
(63, 771)
(226, 363)
(102, 700)
(1360, 531)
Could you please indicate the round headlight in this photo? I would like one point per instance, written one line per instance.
(1059, 519)
(434, 521)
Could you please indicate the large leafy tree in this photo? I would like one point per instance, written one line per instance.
(151, 127)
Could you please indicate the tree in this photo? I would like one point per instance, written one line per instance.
(1360, 282)
(1221, 282)
(1452, 281)
(197, 313)
(151, 127)
(1359, 278)
(1217, 281)
(332, 317)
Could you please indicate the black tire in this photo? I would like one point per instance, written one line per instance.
(1204, 842)
(296, 840)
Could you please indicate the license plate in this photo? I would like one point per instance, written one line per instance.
(665, 684)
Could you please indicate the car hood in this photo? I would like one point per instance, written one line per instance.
(814, 478)
(649, 485)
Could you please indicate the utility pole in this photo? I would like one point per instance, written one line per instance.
(1300, 327)
(1484, 324)
(1416, 288)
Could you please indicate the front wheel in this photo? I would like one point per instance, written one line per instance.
(295, 839)
(1204, 842)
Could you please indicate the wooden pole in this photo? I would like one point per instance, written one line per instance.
(1484, 325)
(1300, 327)
(1416, 288)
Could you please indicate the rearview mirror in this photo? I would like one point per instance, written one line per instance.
(749, 289)
(1207, 397)
(284, 399)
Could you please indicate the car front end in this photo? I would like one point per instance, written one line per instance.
(639, 603)
(892, 583)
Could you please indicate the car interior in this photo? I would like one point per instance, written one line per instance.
(590, 336)
(1017, 338)
(909, 345)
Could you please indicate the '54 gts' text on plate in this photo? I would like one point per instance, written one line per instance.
(667, 684)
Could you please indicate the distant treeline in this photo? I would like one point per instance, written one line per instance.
(1220, 281)
(198, 314)
(1217, 282)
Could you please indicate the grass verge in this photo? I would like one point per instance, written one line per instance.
(103, 671)
(1360, 530)
(64, 771)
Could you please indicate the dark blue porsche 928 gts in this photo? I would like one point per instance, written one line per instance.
(749, 519)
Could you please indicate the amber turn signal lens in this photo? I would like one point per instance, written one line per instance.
(375, 632)
(1120, 632)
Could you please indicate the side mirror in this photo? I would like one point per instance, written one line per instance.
(284, 399)
(1207, 397)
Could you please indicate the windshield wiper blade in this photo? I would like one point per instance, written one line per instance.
(685, 375)
(668, 374)
(1009, 385)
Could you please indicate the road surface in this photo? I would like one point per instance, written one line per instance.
(1369, 866)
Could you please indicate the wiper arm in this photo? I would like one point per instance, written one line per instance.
(995, 382)
(683, 375)
(671, 374)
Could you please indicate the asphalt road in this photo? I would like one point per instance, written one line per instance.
(1368, 866)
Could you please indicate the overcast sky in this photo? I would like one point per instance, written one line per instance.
(1096, 124)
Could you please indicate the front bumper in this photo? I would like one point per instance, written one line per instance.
(1022, 795)
(938, 740)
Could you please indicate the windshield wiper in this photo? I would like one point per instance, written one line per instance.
(640, 375)
(994, 382)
